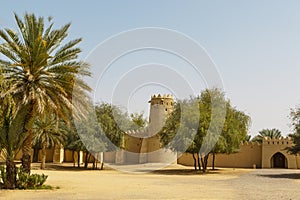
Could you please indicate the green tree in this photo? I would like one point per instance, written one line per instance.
(74, 144)
(41, 69)
(295, 118)
(271, 133)
(138, 120)
(234, 132)
(193, 130)
(103, 130)
(48, 132)
(113, 123)
(92, 139)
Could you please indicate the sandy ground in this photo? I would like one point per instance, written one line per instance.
(173, 182)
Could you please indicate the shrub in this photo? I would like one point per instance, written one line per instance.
(24, 180)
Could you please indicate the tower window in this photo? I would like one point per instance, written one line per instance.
(166, 109)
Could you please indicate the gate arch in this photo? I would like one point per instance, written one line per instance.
(279, 160)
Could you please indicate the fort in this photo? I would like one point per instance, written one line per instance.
(143, 146)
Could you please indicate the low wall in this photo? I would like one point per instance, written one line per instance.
(249, 154)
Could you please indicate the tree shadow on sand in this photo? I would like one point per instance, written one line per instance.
(65, 167)
(183, 172)
(287, 176)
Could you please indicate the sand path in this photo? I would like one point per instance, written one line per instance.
(175, 182)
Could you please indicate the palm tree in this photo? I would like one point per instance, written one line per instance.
(48, 133)
(271, 133)
(41, 73)
(11, 139)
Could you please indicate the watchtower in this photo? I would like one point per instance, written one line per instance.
(144, 146)
(161, 106)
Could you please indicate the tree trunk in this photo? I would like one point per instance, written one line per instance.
(73, 153)
(96, 158)
(43, 163)
(203, 165)
(213, 161)
(11, 174)
(26, 157)
(27, 145)
(101, 160)
(35, 154)
(87, 159)
(195, 162)
(78, 159)
(204, 162)
(198, 161)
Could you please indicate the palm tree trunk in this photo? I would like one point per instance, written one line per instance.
(27, 145)
(43, 163)
(26, 157)
(11, 174)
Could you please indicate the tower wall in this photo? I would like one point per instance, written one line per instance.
(161, 106)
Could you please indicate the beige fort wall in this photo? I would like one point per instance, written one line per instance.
(145, 150)
(132, 146)
(52, 155)
(248, 155)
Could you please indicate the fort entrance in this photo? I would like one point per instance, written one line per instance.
(278, 160)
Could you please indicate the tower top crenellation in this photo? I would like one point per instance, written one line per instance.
(164, 96)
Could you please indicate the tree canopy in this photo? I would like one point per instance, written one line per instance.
(205, 124)
(41, 68)
(271, 133)
(295, 118)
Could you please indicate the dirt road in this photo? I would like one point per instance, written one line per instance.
(175, 182)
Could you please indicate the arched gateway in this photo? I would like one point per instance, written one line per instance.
(278, 160)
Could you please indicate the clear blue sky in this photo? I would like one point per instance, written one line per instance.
(255, 44)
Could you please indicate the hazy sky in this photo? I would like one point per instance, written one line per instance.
(255, 44)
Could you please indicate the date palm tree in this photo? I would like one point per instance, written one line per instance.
(271, 133)
(48, 133)
(41, 69)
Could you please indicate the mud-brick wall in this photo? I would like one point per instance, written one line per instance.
(249, 154)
